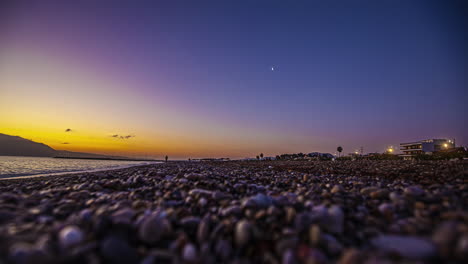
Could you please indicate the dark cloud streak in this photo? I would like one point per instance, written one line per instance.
(122, 136)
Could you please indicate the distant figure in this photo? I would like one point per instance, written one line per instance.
(189, 159)
(166, 158)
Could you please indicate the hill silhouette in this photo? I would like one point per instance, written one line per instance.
(18, 146)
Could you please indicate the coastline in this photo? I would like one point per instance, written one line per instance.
(255, 212)
(76, 172)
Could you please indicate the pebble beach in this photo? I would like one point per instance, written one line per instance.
(281, 212)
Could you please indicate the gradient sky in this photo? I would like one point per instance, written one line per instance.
(194, 79)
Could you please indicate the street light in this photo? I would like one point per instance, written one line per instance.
(390, 150)
(445, 145)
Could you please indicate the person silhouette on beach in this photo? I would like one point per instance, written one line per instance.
(166, 158)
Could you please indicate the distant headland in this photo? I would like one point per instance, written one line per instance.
(18, 146)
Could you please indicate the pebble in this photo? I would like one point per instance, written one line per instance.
(413, 191)
(189, 253)
(154, 228)
(243, 233)
(70, 236)
(335, 221)
(240, 212)
(116, 250)
(405, 246)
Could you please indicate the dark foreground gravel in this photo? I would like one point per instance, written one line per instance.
(241, 212)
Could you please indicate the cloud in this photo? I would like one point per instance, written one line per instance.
(68, 130)
(122, 136)
(65, 143)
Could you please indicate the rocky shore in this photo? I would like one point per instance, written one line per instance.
(241, 212)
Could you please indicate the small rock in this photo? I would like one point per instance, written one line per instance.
(445, 237)
(461, 249)
(368, 190)
(386, 209)
(314, 235)
(335, 222)
(154, 228)
(231, 210)
(413, 191)
(337, 189)
(408, 247)
(288, 257)
(189, 253)
(243, 233)
(260, 201)
(351, 256)
(117, 250)
(70, 236)
(379, 194)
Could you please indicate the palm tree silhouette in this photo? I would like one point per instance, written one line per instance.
(339, 149)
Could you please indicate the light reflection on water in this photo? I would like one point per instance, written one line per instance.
(24, 166)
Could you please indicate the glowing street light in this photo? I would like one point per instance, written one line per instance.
(390, 150)
(445, 145)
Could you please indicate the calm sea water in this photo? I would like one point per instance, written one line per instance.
(26, 166)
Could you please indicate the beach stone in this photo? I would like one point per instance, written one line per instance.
(351, 256)
(154, 228)
(201, 192)
(203, 229)
(337, 189)
(380, 194)
(445, 237)
(258, 201)
(413, 191)
(405, 246)
(116, 250)
(203, 202)
(288, 257)
(368, 190)
(315, 235)
(6, 216)
(189, 253)
(386, 209)
(231, 210)
(70, 236)
(332, 245)
(123, 216)
(335, 220)
(315, 256)
(243, 233)
(223, 249)
(461, 249)
(21, 253)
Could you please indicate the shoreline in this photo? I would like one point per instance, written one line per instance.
(75, 172)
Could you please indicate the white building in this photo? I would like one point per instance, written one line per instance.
(427, 146)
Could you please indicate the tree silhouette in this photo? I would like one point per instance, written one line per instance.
(339, 149)
(261, 155)
(258, 157)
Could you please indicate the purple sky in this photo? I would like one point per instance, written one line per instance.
(350, 73)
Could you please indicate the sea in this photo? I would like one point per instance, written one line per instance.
(38, 166)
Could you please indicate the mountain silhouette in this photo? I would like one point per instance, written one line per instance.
(18, 146)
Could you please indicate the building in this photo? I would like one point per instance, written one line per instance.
(427, 146)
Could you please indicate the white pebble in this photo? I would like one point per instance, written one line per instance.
(70, 236)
